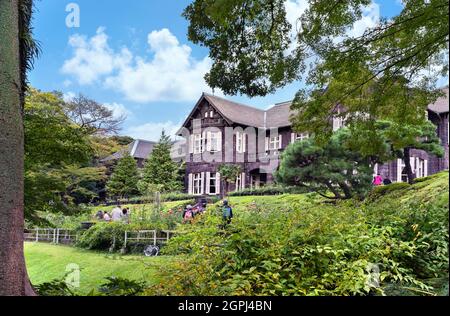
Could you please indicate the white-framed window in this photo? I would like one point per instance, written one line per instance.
(300, 136)
(206, 115)
(421, 168)
(338, 121)
(273, 143)
(240, 142)
(197, 184)
(214, 141)
(212, 183)
(211, 114)
(198, 143)
(240, 182)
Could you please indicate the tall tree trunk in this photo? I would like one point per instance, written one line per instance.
(13, 276)
(407, 160)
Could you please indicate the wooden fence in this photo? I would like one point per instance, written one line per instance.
(51, 235)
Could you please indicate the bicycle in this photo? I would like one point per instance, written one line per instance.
(151, 251)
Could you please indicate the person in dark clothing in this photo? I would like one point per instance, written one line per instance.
(387, 181)
(227, 212)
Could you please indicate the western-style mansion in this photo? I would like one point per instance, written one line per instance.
(221, 131)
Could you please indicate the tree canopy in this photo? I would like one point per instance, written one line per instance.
(331, 167)
(390, 69)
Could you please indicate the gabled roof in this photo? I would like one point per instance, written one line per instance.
(441, 104)
(276, 116)
(237, 112)
(139, 149)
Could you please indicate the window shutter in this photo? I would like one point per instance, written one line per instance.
(203, 142)
(208, 141)
(208, 180)
(220, 141)
(191, 144)
(293, 138)
(237, 141)
(425, 168)
(217, 183)
(399, 170)
(244, 142)
(281, 141)
(190, 184)
(202, 184)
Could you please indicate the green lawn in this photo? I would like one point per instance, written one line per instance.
(47, 262)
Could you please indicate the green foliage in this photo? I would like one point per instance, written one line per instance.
(55, 148)
(269, 190)
(315, 248)
(114, 286)
(387, 73)
(228, 173)
(239, 33)
(160, 172)
(331, 167)
(54, 288)
(103, 236)
(123, 181)
(121, 287)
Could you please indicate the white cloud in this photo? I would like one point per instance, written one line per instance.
(370, 18)
(93, 58)
(68, 96)
(170, 74)
(119, 110)
(152, 130)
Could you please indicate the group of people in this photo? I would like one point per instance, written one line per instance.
(117, 214)
(192, 211)
(378, 180)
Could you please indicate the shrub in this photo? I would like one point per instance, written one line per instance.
(103, 236)
(269, 190)
(397, 240)
(121, 287)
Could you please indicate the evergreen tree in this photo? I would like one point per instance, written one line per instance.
(160, 171)
(326, 168)
(123, 181)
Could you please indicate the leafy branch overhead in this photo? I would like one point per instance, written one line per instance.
(387, 71)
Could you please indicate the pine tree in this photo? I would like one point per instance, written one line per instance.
(331, 167)
(123, 181)
(160, 171)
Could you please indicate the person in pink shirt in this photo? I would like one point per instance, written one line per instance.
(377, 180)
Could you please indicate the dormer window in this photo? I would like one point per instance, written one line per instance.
(211, 114)
(206, 115)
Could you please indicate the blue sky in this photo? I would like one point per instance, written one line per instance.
(135, 57)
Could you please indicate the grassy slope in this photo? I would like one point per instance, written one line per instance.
(136, 207)
(48, 262)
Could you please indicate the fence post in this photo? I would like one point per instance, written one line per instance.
(57, 236)
(154, 237)
(125, 243)
(37, 234)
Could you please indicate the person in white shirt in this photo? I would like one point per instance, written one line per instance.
(106, 217)
(116, 214)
